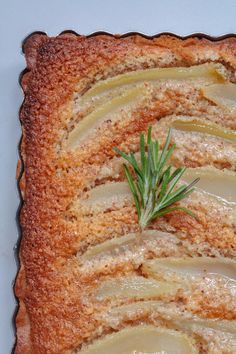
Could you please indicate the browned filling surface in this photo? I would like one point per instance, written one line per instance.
(87, 282)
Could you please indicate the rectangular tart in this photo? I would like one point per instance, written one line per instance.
(85, 284)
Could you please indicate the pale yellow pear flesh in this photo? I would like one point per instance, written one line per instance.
(107, 190)
(143, 339)
(107, 246)
(219, 183)
(134, 287)
(116, 244)
(179, 320)
(225, 326)
(107, 194)
(194, 124)
(134, 307)
(223, 95)
(99, 115)
(208, 71)
(192, 267)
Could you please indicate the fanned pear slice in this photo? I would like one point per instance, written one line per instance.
(195, 124)
(180, 319)
(117, 244)
(143, 339)
(191, 267)
(226, 326)
(108, 194)
(99, 115)
(108, 246)
(219, 183)
(133, 308)
(84, 103)
(209, 71)
(134, 287)
(224, 95)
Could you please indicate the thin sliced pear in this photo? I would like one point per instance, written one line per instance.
(225, 326)
(219, 183)
(192, 267)
(91, 103)
(143, 339)
(108, 194)
(195, 124)
(116, 315)
(210, 71)
(117, 244)
(108, 246)
(133, 308)
(224, 95)
(99, 115)
(170, 311)
(134, 287)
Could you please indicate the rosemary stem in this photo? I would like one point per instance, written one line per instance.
(139, 235)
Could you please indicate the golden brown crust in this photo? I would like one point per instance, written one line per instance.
(52, 317)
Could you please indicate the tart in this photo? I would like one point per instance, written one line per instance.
(86, 284)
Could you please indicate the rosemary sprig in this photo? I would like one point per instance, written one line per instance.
(154, 185)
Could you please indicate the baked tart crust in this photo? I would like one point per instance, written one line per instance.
(59, 309)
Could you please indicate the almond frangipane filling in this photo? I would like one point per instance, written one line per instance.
(162, 278)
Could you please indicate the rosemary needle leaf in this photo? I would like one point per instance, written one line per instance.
(169, 210)
(154, 186)
(133, 189)
(130, 180)
(149, 136)
(123, 154)
(174, 178)
(165, 181)
(142, 152)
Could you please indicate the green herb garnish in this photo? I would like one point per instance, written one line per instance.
(154, 183)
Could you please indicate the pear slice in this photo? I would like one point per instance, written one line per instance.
(117, 244)
(105, 196)
(134, 287)
(106, 111)
(180, 320)
(108, 245)
(195, 124)
(108, 194)
(225, 326)
(224, 95)
(130, 310)
(191, 267)
(219, 183)
(143, 339)
(209, 71)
